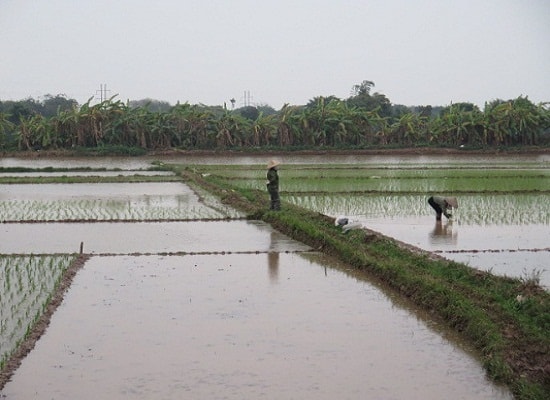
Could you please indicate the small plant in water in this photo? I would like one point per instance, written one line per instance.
(531, 278)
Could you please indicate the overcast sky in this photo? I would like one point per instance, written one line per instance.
(417, 52)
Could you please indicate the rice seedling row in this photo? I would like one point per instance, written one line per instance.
(502, 209)
(26, 285)
(377, 184)
(149, 208)
(394, 173)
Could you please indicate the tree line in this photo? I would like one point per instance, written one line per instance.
(363, 120)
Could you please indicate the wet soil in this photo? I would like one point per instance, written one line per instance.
(268, 325)
(138, 384)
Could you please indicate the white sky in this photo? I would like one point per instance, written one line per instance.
(417, 52)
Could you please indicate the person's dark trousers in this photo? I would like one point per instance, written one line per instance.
(275, 200)
(436, 207)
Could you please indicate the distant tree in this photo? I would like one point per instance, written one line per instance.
(150, 104)
(514, 122)
(315, 101)
(436, 110)
(367, 102)
(459, 124)
(52, 105)
(424, 111)
(17, 110)
(362, 89)
(266, 109)
(455, 107)
(362, 99)
(398, 110)
(249, 112)
(6, 128)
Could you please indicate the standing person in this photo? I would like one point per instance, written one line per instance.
(273, 185)
(441, 205)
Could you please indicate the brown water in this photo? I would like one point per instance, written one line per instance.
(144, 237)
(238, 312)
(512, 250)
(239, 326)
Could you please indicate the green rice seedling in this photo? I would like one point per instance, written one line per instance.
(298, 178)
(478, 209)
(20, 303)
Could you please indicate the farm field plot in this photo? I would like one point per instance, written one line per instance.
(502, 223)
(415, 179)
(234, 326)
(183, 297)
(488, 232)
(107, 201)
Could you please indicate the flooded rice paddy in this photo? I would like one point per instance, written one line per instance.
(270, 325)
(213, 306)
(108, 201)
(506, 234)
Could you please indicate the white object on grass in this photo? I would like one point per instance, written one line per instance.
(346, 223)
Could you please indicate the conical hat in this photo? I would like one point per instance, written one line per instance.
(452, 201)
(272, 163)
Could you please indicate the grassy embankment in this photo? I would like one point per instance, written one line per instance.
(90, 178)
(506, 320)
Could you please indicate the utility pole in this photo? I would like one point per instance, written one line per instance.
(102, 92)
(247, 98)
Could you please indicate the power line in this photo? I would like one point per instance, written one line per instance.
(102, 92)
(247, 98)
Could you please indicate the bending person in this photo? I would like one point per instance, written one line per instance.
(442, 205)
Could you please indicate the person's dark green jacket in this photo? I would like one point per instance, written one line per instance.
(272, 180)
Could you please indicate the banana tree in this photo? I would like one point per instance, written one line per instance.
(231, 129)
(34, 133)
(288, 127)
(514, 122)
(6, 130)
(264, 130)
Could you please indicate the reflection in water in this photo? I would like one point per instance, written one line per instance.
(273, 265)
(443, 233)
(273, 259)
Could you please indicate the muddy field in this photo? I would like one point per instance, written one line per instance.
(227, 308)
(272, 324)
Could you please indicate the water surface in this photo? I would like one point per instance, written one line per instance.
(239, 326)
